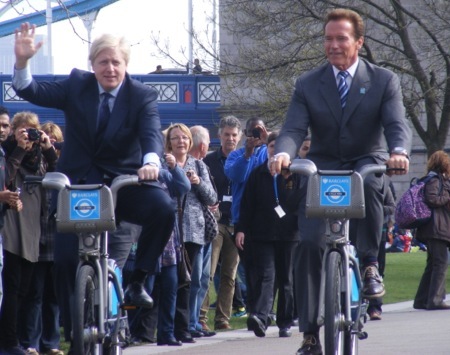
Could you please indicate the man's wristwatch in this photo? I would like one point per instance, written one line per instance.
(400, 151)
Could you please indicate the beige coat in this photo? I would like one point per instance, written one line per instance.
(22, 230)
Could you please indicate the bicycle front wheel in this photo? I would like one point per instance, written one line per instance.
(85, 317)
(334, 317)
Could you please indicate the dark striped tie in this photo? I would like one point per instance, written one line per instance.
(103, 115)
(343, 87)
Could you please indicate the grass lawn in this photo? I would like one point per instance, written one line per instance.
(402, 275)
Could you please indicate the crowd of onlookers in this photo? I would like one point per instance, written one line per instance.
(235, 212)
(249, 262)
(253, 245)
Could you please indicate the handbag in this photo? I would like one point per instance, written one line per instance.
(211, 225)
(184, 267)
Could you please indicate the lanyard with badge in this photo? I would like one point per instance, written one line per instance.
(278, 209)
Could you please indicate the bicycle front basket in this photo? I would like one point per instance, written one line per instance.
(337, 195)
(85, 209)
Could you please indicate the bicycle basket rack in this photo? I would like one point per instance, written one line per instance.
(85, 208)
(335, 194)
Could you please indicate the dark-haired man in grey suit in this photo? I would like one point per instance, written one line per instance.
(349, 105)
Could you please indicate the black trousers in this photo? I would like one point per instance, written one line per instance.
(148, 206)
(431, 291)
(17, 274)
(182, 315)
(268, 267)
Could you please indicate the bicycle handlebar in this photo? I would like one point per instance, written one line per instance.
(59, 181)
(308, 168)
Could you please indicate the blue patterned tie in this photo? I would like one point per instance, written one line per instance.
(343, 87)
(103, 115)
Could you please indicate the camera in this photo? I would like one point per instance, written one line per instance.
(188, 174)
(256, 133)
(33, 134)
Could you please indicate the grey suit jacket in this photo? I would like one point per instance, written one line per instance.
(374, 114)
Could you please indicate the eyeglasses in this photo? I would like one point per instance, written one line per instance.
(182, 138)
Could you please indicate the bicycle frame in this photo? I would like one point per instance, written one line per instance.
(88, 211)
(98, 259)
(338, 196)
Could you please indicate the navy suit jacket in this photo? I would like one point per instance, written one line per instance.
(134, 128)
(374, 114)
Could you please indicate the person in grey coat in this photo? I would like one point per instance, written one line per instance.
(436, 233)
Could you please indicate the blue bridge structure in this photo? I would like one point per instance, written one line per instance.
(63, 11)
(182, 98)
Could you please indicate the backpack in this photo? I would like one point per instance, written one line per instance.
(411, 210)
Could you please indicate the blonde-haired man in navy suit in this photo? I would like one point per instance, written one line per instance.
(348, 119)
(112, 127)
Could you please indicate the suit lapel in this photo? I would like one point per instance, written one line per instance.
(91, 95)
(329, 91)
(360, 87)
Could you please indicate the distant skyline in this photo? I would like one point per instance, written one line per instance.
(137, 20)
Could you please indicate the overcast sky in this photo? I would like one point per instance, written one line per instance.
(136, 20)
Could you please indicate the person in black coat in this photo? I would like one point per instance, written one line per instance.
(268, 234)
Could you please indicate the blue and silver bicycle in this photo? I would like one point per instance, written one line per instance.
(338, 196)
(100, 324)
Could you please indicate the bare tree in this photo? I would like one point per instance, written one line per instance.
(265, 45)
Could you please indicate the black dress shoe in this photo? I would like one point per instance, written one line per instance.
(135, 295)
(187, 340)
(284, 333)
(443, 305)
(373, 283)
(256, 324)
(208, 333)
(170, 342)
(196, 333)
(419, 306)
(136, 340)
(310, 346)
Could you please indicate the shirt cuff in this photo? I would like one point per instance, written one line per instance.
(152, 159)
(22, 78)
(282, 154)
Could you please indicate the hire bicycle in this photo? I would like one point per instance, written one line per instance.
(338, 196)
(100, 323)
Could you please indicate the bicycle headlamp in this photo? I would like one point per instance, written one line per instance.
(88, 240)
(336, 226)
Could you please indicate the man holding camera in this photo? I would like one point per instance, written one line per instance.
(238, 166)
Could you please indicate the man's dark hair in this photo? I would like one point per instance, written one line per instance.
(254, 120)
(350, 15)
(4, 110)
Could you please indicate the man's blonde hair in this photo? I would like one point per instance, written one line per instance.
(107, 41)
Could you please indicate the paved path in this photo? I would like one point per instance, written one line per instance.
(402, 330)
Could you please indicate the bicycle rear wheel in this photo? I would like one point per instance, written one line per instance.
(85, 322)
(334, 317)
